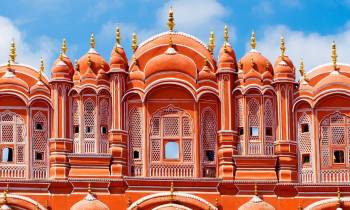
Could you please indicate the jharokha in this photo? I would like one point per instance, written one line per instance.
(172, 127)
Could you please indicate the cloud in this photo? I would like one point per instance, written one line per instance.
(26, 53)
(314, 48)
(263, 8)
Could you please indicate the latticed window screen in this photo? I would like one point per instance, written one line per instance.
(171, 124)
(12, 136)
(40, 146)
(254, 144)
(76, 126)
(89, 142)
(334, 136)
(135, 141)
(269, 127)
(240, 125)
(208, 138)
(104, 123)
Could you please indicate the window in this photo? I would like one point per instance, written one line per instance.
(338, 156)
(136, 155)
(254, 131)
(210, 155)
(88, 129)
(39, 126)
(172, 150)
(39, 156)
(306, 158)
(103, 129)
(304, 128)
(7, 154)
(268, 131)
(76, 129)
(241, 131)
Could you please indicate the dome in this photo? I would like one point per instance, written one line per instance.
(284, 68)
(12, 79)
(96, 62)
(89, 203)
(334, 78)
(261, 63)
(227, 57)
(206, 73)
(67, 60)
(171, 60)
(256, 203)
(60, 70)
(118, 58)
(135, 72)
(39, 86)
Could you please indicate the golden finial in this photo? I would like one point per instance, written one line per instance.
(240, 65)
(252, 40)
(334, 55)
(171, 22)
(117, 35)
(42, 68)
(13, 51)
(5, 194)
(89, 61)
(170, 41)
(89, 188)
(61, 56)
(267, 66)
(217, 202)
(134, 42)
(102, 64)
(8, 64)
(76, 65)
(64, 46)
(301, 70)
(338, 198)
(282, 47)
(256, 189)
(226, 36)
(206, 61)
(211, 45)
(92, 40)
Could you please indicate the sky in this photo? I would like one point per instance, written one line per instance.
(309, 26)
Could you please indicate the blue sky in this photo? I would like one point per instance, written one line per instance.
(309, 27)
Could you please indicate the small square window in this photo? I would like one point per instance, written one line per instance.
(338, 156)
(136, 155)
(39, 126)
(104, 129)
(76, 129)
(210, 155)
(241, 131)
(39, 155)
(306, 158)
(88, 129)
(268, 131)
(304, 128)
(7, 154)
(254, 131)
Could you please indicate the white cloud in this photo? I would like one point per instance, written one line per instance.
(26, 53)
(314, 48)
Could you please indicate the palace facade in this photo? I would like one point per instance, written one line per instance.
(174, 128)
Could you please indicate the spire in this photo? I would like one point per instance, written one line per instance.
(61, 56)
(64, 46)
(171, 22)
(226, 37)
(13, 53)
(134, 42)
(252, 41)
(211, 45)
(92, 41)
(117, 35)
(334, 55)
(76, 65)
(42, 68)
(282, 47)
(302, 71)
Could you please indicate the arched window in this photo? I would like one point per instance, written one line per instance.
(76, 127)
(174, 126)
(12, 146)
(335, 148)
(269, 127)
(304, 147)
(89, 141)
(104, 125)
(135, 141)
(254, 144)
(208, 142)
(40, 146)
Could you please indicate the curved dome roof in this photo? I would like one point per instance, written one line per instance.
(257, 60)
(256, 203)
(96, 62)
(89, 203)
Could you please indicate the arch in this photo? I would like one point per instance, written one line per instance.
(20, 95)
(171, 206)
(183, 199)
(323, 95)
(207, 91)
(22, 201)
(254, 125)
(40, 97)
(301, 100)
(129, 93)
(331, 202)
